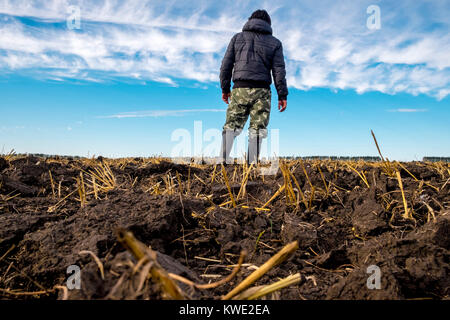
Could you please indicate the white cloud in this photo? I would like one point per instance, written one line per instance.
(11, 128)
(405, 110)
(159, 113)
(326, 43)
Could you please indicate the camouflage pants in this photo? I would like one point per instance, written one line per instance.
(249, 101)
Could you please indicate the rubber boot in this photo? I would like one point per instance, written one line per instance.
(254, 148)
(227, 144)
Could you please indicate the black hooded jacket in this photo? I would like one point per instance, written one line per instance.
(250, 57)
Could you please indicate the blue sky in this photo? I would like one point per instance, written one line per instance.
(138, 74)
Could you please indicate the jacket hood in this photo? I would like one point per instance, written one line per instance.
(257, 25)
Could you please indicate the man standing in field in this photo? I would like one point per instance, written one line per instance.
(250, 58)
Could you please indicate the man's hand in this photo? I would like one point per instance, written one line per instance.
(225, 97)
(282, 104)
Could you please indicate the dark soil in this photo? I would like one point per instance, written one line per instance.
(341, 231)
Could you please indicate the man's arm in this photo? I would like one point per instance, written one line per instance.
(226, 70)
(279, 74)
